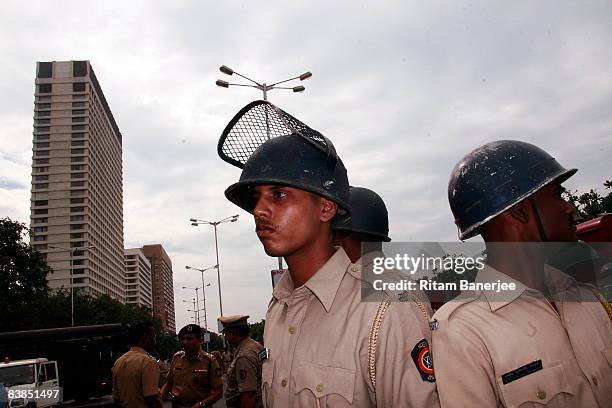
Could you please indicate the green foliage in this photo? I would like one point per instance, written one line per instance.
(257, 330)
(591, 204)
(23, 272)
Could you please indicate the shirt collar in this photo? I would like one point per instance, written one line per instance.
(324, 284)
(557, 282)
(137, 349)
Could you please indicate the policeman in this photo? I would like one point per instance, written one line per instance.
(545, 343)
(195, 378)
(368, 222)
(243, 385)
(317, 328)
(136, 374)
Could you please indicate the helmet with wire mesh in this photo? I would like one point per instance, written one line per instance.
(273, 147)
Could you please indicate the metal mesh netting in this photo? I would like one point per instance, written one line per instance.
(254, 124)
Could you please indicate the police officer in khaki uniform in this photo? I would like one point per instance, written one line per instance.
(317, 328)
(136, 374)
(195, 378)
(243, 385)
(548, 342)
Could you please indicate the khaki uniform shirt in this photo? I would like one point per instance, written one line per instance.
(317, 336)
(513, 349)
(244, 373)
(135, 376)
(192, 380)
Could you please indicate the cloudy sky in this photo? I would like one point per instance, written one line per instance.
(403, 88)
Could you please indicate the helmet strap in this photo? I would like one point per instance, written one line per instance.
(538, 219)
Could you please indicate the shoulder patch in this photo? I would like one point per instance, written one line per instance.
(243, 374)
(421, 356)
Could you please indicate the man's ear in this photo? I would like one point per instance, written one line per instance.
(520, 212)
(328, 209)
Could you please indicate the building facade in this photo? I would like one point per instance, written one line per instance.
(163, 286)
(138, 278)
(77, 181)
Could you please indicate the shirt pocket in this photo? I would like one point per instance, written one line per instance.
(200, 378)
(267, 376)
(331, 385)
(539, 388)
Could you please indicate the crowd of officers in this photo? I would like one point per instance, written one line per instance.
(194, 378)
(548, 344)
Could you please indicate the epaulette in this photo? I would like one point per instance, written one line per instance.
(179, 354)
(444, 314)
(206, 354)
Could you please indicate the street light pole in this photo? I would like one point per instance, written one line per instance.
(197, 303)
(264, 88)
(203, 288)
(71, 253)
(195, 222)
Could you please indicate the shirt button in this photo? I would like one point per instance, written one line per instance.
(541, 395)
(284, 383)
(595, 380)
(291, 329)
(319, 387)
(355, 268)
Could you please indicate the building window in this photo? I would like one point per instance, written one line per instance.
(77, 183)
(77, 143)
(77, 159)
(78, 261)
(77, 209)
(42, 137)
(76, 226)
(41, 186)
(77, 151)
(42, 145)
(78, 104)
(44, 88)
(79, 68)
(77, 244)
(75, 193)
(45, 69)
(41, 169)
(41, 211)
(41, 202)
(78, 87)
(78, 127)
(77, 167)
(77, 175)
(41, 153)
(78, 111)
(43, 113)
(40, 229)
(40, 247)
(40, 220)
(43, 129)
(78, 135)
(43, 106)
(77, 200)
(42, 161)
(78, 120)
(41, 178)
(39, 238)
(43, 121)
(76, 235)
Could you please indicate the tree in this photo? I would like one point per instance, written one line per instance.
(591, 204)
(257, 330)
(23, 272)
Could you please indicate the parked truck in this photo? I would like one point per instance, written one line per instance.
(77, 359)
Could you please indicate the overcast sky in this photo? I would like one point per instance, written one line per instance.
(404, 89)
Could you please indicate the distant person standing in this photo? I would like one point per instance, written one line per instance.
(136, 374)
(243, 386)
(195, 377)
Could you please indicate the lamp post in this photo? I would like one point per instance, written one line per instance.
(262, 86)
(195, 222)
(72, 252)
(197, 302)
(203, 288)
(193, 301)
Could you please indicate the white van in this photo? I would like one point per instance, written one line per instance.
(31, 383)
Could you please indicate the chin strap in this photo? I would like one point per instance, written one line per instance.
(538, 219)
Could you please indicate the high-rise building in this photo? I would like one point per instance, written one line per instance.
(163, 286)
(77, 180)
(138, 278)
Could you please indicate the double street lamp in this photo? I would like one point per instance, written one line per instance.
(73, 252)
(262, 86)
(203, 288)
(195, 222)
